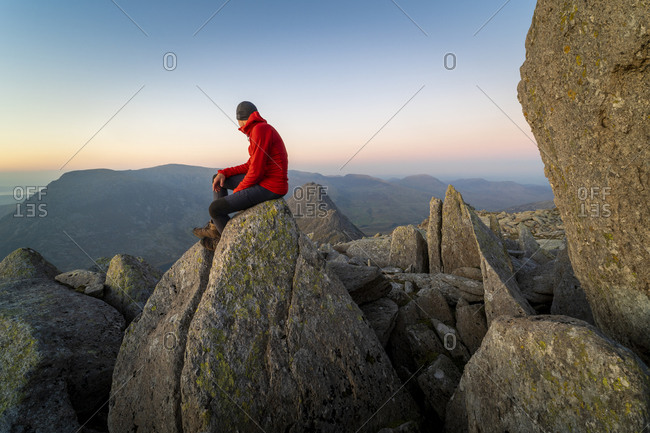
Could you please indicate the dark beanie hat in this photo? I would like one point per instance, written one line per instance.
(245, 109)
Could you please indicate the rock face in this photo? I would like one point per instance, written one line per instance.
(408, 249)
(318, 216)
(458, 244)
(265, 338)
(434, 235)
(25, 263)
(129, 283)
(551, 373)
(57, 349)
(585, 91)
(568, 297)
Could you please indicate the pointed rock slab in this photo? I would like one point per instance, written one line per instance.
(151, 358)
(585, 93)
(408, 249)
(434, 235)
(25, 263)
(551, 374)
(501, 293)
(458, 248)
(273, 340)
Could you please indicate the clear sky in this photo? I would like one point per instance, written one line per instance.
(83, 79)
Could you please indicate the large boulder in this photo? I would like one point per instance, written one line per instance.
(551, 374)
(57, 351)
(129, 283)
(318, 216)
(270, 341)
(408, 249)
(434, 235)
(585, 91)
(24, 264)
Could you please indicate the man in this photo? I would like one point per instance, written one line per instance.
(263, 177)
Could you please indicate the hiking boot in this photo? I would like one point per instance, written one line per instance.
(210, 243)
(208, 231)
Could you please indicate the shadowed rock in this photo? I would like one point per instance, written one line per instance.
(434, 235)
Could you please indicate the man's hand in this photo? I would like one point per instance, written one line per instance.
(218, 181)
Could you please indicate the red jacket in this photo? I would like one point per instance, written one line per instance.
(268, 162)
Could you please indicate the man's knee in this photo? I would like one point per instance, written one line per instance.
(218, 207)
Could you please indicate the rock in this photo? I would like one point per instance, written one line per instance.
(536, 284)
(408, 248)
(83, 281)
(434, 235)
(458, 248)
(553, 373)
(438, 383)
(25, 263)
(469, 289)
(432, 304)
(407, 427)
(381, 315)
(501, 293)
(375, 249)
(568, 297)
(473, 273)
(471, 324)
(129, 283)
(154, 347)
(495, 227)
(317, 214)
(424, 344)
(397, 294)
(531, 248)
(57, 350)
(451, 341)
(274, 343)
(585, 93)
(364, 283)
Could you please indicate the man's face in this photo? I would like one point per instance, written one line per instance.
(241, 123)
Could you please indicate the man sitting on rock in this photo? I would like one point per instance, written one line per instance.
(263, 177)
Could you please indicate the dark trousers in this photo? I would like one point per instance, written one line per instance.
(225, 204)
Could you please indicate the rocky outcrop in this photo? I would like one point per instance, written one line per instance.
(319, 218)
(57, 349)
(129, 283)
(548, 374)
(408, 249)
(265, 338)
(24, 264)
(586, 95)
(434, 235)
(381, 316)
(458, 248)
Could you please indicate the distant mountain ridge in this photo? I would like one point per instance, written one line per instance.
(150, 212)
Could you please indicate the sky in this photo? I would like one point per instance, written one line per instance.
(384, 87)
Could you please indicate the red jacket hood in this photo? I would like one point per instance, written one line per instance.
(253, 120)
